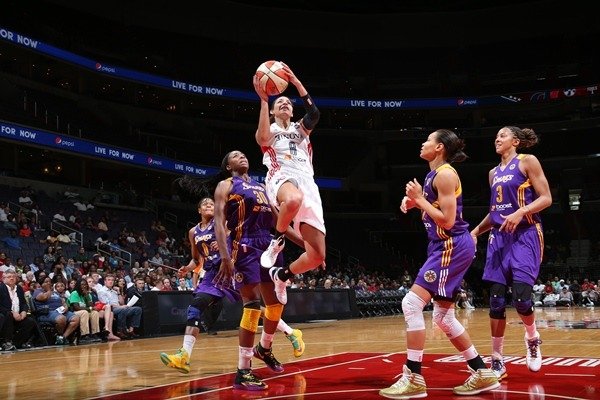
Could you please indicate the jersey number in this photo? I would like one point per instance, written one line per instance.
(499, 194)
(261, 198)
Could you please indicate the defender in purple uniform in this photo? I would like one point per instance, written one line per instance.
(243, 221)
(450, 253)
(519, 191)
(207, 295)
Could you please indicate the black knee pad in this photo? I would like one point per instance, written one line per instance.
(522, 300)
(498, 301)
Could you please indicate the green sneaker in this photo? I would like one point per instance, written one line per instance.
(296, 338)
(180, 360)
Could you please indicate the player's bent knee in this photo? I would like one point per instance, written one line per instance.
(523, 307)
(497, 307)
(412, 308)
(250, 316)
(446, 320)
(522, 298)
(273, 311)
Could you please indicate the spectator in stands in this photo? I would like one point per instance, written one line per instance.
(103, 242)
(182, 284)
(25, 200)
(136, 290)
(128, 318)
(63, 238)
(13, 241)
(16, 327)
(52, 298)
(164, 251)
(565, 298)
(142, 239)
(156, 260)
(407, 278)
(102, 225)
(83, 205)
(575, 288)
(28, 279)
(4, 212)
(58, 272)
(538, 292)
(71, 194)
(81, 256)
(11, 222)
(25, 231)
(51, 239)
(82, 304)
(166, 285)
(104, 310)
(60, 216)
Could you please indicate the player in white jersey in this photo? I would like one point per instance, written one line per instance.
(287, 153)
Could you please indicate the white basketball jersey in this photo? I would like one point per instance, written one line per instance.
(289, 150)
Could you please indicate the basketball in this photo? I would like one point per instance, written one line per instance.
(272, 77)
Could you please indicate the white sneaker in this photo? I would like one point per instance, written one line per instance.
(534, 354)
(269, 256)
(499, 368)
(280, 286)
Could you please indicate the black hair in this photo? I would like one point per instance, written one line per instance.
(453, 144)
(192, 189)
(527, 136)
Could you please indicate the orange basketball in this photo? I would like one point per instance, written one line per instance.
(272, 77)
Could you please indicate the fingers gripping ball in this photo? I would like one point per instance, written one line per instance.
(272, 77)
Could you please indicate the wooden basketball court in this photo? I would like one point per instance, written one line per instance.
(346, 359)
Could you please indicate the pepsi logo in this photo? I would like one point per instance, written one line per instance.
(58, 140)
(98, 66)
(149, 160)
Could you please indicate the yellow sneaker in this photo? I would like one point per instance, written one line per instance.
(296, 338)
(482, 380)
(409, 386)
(180, 360)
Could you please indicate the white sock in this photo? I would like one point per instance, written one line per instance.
(531, 331)
(498, 345)
(414, 355)
(469, 353)
(245, 357)
(266, 339)
(283, 327)
(188, 343)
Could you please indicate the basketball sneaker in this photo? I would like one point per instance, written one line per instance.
(246, 380)
(280, 286)
(269, 256)
(499, 368)
(180, 360)
(534, 354)
(267, 356)
(296, 338)
(482, 380)
(409, 386)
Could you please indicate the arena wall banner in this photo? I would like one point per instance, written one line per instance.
(119, 72)
(59, 142)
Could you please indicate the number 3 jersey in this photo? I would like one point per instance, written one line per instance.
(511, 190)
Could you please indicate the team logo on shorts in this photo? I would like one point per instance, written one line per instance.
(430, 276)
(239, 277)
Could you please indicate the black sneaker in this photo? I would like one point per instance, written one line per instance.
(9, 346)
(268, 357)
(246, 380)
(86, 339)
